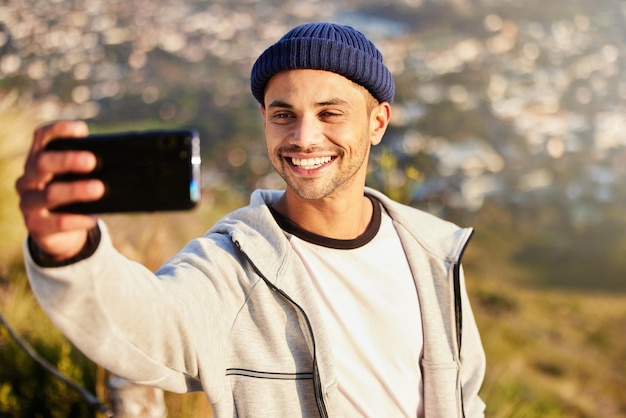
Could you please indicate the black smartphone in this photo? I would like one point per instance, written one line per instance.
(143, 171)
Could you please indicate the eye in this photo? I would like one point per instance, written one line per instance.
(282, 117)
(330, 115)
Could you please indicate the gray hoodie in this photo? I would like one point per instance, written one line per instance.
(233, 315)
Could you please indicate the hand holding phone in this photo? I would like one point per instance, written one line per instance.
(57, 236)
(142, 171)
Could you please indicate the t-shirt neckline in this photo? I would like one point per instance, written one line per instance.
(368, 235)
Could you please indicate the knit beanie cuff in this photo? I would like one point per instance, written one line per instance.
(349, 54)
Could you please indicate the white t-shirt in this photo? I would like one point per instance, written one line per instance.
(369, 303)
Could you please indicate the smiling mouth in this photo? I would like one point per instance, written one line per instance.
(310, 163)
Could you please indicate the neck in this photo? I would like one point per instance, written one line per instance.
(331, 217)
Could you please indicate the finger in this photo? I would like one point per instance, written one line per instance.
(33, 177)
(58, 162)
(47, 164)
(57, 194)
(44, 228)
(58, 129)
(61, 193)
(60, 236)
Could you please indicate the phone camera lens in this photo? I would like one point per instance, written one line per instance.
(169, 142)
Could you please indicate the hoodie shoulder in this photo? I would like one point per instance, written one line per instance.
(438, 236)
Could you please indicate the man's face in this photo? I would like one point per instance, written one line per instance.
(318, 131)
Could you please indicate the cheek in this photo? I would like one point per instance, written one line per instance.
(275, 132)
(270, 134)
(271, 144)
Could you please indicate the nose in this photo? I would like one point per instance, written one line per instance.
(307, 132)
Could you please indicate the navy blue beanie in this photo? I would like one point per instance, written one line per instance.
(325, 46)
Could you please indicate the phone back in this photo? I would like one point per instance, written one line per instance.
(142, 171)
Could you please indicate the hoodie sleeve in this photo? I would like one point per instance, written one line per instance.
(144, 327)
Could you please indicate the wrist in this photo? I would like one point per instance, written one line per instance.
(42, 259)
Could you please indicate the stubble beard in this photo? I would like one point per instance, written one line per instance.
(321, 186)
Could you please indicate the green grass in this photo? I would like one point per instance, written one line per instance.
(15, 137)
(552, 349)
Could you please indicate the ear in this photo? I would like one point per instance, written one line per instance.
(379, 120)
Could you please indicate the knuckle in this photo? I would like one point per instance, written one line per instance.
(49, 194)
(19, 185)
(40, 162)
(23, 205)
(60, 222)
(33, 222)
(28, 201)
(41, 134)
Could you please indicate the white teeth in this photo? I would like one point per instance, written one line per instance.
(310, 163)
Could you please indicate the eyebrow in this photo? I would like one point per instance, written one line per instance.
(279, 103)
(329, 102)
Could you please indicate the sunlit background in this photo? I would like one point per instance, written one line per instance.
(509, 117)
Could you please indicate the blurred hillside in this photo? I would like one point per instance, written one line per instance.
(519, 103)
(509, 116)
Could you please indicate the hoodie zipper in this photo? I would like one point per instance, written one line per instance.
(458, 311)
(317, 384)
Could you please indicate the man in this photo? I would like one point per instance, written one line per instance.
(325, 299)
